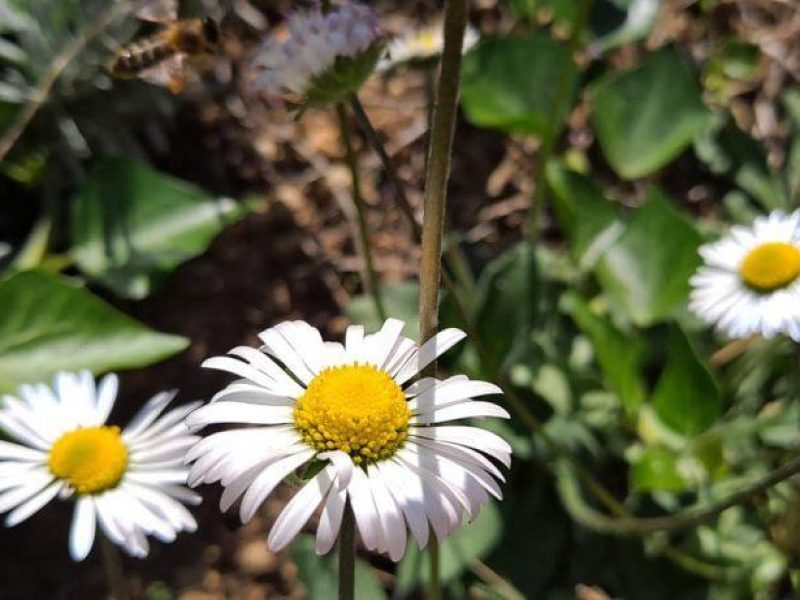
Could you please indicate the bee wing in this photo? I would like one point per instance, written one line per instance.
(171, 74)
(158, 11)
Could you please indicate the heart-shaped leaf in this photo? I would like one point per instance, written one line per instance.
(132, 225)
(48, 324)
(512, 84)
(646, 117)
(646, 271)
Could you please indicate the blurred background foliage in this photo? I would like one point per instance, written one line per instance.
(652, 126)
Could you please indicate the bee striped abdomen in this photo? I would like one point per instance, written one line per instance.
(139, 57)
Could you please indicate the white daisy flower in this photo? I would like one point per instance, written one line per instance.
(422, 44)
(131, 481)
(388, 447)
(324, 56)
(750, 282)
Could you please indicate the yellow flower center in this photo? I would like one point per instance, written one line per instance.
(771, 266)
(357, 409)
(91, 459)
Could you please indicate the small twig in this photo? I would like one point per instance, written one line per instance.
(733, 350)
(60, 62)
(493, 579)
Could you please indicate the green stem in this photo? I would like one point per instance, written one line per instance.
(437, 169)
(347, 555)
(112, 565)
(370, 278)
(388, 166)
(434, 589)
(569, 490)
(557, 113)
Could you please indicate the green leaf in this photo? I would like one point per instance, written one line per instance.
(584, 214)
(646, 117)
(512, 84)
(504, 304)
(132, 225)
(473, 541)
(47, 325)
(618, 355)
(319, 573)
(646, 272)
(657, 469)
(401, 302)
(686, 397)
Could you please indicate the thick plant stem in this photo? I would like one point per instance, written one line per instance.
(370, 278)
(112, 565)
(438, 167)
(347, 555)
(435, 198)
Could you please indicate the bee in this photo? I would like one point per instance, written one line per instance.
(163, 58)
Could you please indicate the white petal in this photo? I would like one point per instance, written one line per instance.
(81, 534)
(464, 410)
(428, 352)
(449, 392)
(281, 343)
(147, 414)
(343, 464)
(393, 524)
(331, 520)
(14, 427)
(409, 493)
(300, 508)
(472, 437)
(106, 396)
(268, 480)
(17, 452)
(238, 412)
(364, 509)
(378, 347)
(25, 510)
(283, 387)
(35, 481)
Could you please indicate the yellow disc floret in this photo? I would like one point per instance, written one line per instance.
(357, 409)
(90, 459)
(771, 266)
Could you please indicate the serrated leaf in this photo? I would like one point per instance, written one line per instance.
(644, 118)
(48, 324)
(686, 397)
(319, 573)
(473, 541)
(132, 225)
(510, 83)
(646, 271)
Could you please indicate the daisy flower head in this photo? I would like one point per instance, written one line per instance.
(422, 45)
(348, 413)
(750, 280)
(130, 481)
(323, 56)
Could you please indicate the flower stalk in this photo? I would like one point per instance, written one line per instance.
(435, 199)
(369, 276)
(112, 565)
(347, 555)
